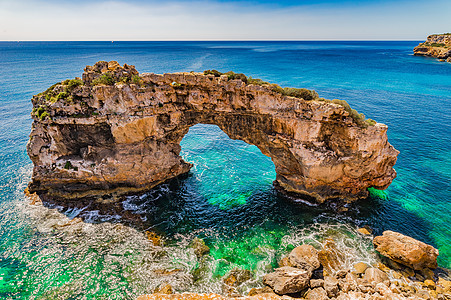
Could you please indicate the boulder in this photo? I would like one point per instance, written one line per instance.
(374, 276)
(303, 257)
(287, 280)
(331, 258)
(406, 250)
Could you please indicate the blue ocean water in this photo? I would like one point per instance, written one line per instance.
(228, 198)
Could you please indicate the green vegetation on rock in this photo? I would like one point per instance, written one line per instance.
(105, 79)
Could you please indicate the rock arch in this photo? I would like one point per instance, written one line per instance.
(116, 131)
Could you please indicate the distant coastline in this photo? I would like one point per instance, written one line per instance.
(436, 45)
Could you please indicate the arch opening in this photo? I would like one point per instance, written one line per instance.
(226, 172)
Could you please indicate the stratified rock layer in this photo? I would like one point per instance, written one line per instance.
(436, 45)
(118, 131)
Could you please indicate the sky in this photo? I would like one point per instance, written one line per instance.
(83, 20)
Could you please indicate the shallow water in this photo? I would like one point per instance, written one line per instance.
(228, 198)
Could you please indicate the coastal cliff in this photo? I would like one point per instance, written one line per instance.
(436, 45)
(118, 131)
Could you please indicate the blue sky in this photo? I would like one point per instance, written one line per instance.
(223, 19)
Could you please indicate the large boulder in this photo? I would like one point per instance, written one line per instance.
(303, 257)
(406, 250)
(287, 280)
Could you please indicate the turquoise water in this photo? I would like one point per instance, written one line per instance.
(228, 198)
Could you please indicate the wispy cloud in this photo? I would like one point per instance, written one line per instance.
(211, 20)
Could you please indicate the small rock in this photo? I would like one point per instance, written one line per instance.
(164, 288)
(366, 230)
(304, 257)
(154, 238)
(360, 267)
(430, 284)
(331, 286)
(237, 276)
(341, 274)
(314, 283)
(406, 250)
(200, 249)
(287, 280)
(316, 294)
(374, 275)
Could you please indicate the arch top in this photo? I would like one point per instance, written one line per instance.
(118, 131)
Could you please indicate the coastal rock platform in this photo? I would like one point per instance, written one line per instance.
(116, 131)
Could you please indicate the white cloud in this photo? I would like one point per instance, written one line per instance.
(118, 20)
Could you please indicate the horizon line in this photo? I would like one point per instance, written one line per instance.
(227, 40)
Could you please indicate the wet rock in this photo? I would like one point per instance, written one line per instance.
(360, 267)
(200, 249)
(330, 258)
(237, 276)
(331, 286)
(164, 288)
(154, 238)
(365, 230)
(316, 294)
(304, 257)
(374, 275)
(287, 280)
(406, 250)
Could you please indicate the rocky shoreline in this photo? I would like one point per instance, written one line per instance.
(407, 269)
(436, 45)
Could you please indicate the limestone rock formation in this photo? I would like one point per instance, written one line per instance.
(406, 250)
(436, 45)
(118, 131)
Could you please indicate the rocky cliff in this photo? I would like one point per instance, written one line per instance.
(436, 45)
(118, 131)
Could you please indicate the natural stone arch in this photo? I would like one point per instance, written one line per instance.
(119, 132)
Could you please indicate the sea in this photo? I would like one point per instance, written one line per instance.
(125, 249)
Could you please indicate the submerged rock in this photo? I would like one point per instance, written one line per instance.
(406, 250)
(200, 249)
(287, 280)
(117, 132)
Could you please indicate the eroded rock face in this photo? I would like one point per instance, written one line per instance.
(117, 131)
(436, 45)
(406, 250)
